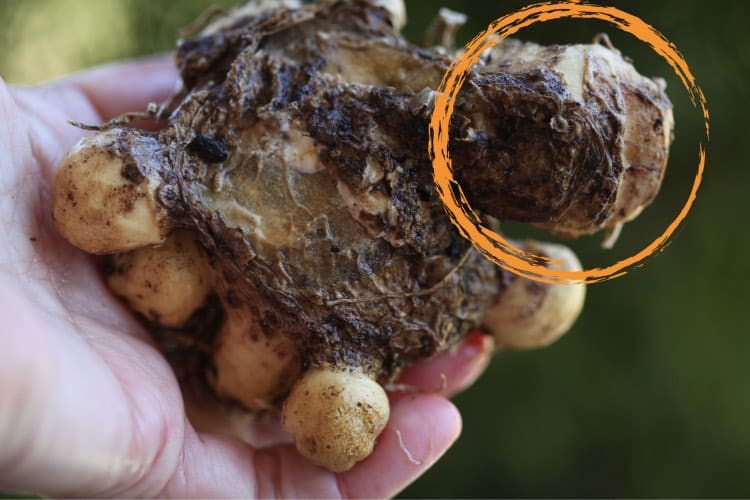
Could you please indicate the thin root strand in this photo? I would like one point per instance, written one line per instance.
(406, 451)
(426, 291)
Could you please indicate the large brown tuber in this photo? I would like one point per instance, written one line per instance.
(282, 236)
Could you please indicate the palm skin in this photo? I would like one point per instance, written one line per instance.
(88, 406)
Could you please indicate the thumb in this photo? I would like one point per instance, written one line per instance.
(117, 88)
(92, 96)
(112, 89)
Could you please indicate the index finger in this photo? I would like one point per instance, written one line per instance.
(450, 372)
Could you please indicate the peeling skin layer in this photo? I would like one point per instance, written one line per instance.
(345, 247)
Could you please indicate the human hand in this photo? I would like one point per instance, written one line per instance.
(88, 406)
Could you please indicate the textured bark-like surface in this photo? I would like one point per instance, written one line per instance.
(297, 150)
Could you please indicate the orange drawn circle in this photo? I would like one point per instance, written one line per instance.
(491, 244)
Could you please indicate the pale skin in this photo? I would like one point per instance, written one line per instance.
(88, 406)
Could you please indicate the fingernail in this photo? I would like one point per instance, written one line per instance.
(476, 344)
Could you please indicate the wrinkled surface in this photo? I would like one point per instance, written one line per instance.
(348, 249)
(297, 150)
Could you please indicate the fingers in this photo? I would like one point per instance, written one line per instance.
(420, 430)
(78, 415)
(222, 467)
(452, 372)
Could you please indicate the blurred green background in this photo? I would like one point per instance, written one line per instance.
(648, 395)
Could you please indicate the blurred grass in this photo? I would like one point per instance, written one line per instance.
(648, 395)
